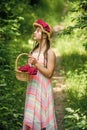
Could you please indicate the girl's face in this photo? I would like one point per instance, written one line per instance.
(37, 34)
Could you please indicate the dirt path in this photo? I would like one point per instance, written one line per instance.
(59, 95)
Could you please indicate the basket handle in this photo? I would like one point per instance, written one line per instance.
(16, 62)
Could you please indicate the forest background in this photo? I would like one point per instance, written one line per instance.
(16, 19)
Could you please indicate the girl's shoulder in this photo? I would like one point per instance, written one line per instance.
(51, 52)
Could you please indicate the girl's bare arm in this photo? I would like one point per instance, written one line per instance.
(50, 64)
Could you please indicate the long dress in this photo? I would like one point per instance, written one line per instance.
(39, 104)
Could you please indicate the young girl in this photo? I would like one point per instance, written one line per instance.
(39, 106)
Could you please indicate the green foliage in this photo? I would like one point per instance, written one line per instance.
(78, 10)
(74, 62)
(51, 11)
(12, 92)
(75, 71)
(75, 120)
(72, 45)
(16, 19)
(9, 22)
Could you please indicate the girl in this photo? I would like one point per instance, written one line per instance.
(39, 106)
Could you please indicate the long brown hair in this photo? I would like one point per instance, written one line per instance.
(45, 52)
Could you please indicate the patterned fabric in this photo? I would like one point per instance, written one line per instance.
(39, 105)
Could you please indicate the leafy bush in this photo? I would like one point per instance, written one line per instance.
(72, 45)
(78, 12)
(16, 18)
(75, 119)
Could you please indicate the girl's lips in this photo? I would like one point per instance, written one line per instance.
(34, 35)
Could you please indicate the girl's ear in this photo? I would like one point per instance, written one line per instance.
(44, 35)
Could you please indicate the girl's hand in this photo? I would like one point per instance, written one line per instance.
(32, 60)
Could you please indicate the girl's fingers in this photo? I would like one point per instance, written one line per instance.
(29, 56)
(32, 60)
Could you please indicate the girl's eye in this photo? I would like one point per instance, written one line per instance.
(37, 30)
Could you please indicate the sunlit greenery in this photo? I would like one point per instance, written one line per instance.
(16, 19)
(72, 44)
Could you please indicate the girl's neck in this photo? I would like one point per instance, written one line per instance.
(42, 45)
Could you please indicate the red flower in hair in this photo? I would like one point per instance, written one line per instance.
(44, 25)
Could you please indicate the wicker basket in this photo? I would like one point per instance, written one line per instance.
(22, 76)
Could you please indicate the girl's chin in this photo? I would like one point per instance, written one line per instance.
(36, 39)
